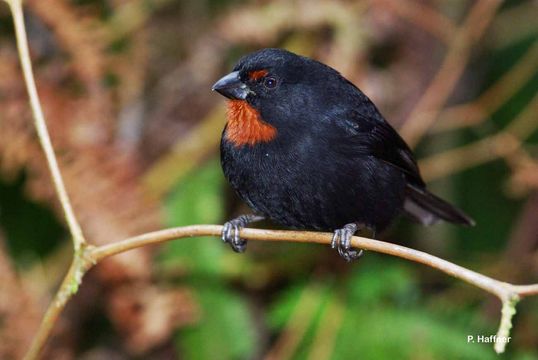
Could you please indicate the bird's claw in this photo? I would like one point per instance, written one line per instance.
(232, 228)
(230, 235)
(342, 242)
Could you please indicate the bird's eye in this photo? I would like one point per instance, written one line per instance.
(269, 82)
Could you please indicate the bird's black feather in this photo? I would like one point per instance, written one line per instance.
(334, 159)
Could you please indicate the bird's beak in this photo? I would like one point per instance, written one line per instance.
(232, 87)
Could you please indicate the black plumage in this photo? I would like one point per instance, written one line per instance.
(333, 159)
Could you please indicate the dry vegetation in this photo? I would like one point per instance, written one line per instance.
(125, 90)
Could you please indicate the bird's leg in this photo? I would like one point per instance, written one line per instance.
(342, 241)
(231, 229)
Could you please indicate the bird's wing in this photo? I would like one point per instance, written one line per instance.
(367, 133)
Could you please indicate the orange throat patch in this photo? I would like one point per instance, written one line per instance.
(245, 126)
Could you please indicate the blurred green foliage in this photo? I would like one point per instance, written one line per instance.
(383, 319)
(196, 200)
(226, 330)
(486, 184)
(225, 316)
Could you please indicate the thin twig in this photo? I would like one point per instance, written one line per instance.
(488, 284)
(509, 294)
(67, 289)
(41, 126)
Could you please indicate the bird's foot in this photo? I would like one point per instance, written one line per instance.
(231, 229)
(342, 242)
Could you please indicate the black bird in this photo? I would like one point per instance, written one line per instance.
(307, 149)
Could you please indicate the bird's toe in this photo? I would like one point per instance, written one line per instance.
(342, 242)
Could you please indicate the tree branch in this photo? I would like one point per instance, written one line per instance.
(509, 294)
(41, 126)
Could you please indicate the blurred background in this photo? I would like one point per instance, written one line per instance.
(125, 86)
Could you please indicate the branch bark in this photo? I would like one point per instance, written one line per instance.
(41, 125)
(509, 294)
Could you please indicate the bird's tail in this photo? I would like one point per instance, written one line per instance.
(426, 208)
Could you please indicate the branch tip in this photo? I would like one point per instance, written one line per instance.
(507, 313)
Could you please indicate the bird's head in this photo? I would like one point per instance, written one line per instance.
(279, 88)
(261, 75)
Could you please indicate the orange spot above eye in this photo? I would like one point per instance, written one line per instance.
(245, 126)
(257, 74)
